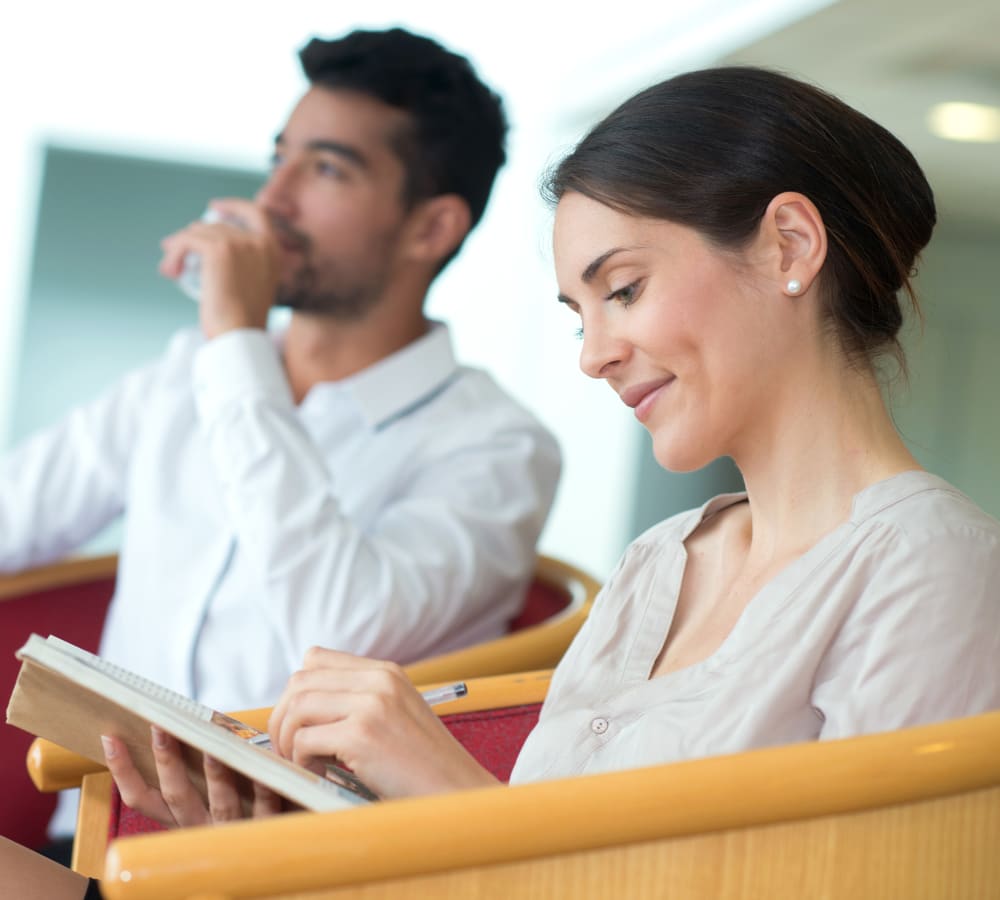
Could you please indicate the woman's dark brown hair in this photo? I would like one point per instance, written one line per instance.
(710, 149)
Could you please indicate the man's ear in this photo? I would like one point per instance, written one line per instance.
(793, 228)
(437, 226)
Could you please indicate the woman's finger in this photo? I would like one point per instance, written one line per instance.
(324, 658)
(305, 708)
(307, 689)
(317, 742)
(134, 791)
(179, 794)
(328, 689)
(265, 802)
(224, 804)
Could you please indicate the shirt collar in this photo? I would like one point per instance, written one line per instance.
(882, 494)
(866, 503)
(409, 377)
(694, 517)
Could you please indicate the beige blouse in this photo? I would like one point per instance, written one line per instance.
(893, 619)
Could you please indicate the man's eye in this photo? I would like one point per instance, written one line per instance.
(328, 169)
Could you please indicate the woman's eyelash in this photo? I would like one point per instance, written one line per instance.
(626, 296)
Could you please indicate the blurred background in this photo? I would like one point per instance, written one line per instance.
(120, 124)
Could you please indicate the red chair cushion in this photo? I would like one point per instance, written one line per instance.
(492, 736)
(125, 821)
(541, 602)
(74, 613)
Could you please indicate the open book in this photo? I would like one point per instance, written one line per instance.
(72, 697)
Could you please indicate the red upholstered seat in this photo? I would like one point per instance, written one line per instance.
(124, 821)
(542, 601)
(74, 612)
(556, 605)
(492, 736)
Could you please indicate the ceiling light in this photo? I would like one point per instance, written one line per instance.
(965, 122)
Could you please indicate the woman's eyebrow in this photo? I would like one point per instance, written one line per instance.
(594, 267)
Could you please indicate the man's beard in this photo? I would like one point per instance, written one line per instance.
(346, 303)
(327, 292)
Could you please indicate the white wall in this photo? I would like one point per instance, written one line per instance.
(950, 413)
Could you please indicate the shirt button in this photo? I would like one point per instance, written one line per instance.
(599, 726)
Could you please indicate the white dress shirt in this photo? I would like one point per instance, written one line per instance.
(393, 514)
(891, 620)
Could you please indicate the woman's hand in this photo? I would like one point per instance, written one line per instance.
(368, 717)
(364, 714)
(177, 803)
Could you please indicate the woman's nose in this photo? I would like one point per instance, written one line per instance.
(602, 352)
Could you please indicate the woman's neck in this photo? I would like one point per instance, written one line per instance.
(836, 438)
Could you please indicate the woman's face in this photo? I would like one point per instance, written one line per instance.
(686, 334)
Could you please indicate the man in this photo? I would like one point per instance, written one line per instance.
(343, 482)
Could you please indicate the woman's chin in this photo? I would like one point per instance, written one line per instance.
(680, 458)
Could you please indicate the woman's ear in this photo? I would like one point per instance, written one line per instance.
(793, 227)
(437, 226)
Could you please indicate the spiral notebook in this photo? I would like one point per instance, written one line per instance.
(71, 697)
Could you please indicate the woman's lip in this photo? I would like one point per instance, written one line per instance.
(645, 405)
(642, 397)
(634, 395)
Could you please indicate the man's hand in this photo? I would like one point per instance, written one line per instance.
(176, 803)
(240, 265)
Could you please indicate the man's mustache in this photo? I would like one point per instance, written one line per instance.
(290, 237)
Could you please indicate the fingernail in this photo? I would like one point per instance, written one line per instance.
(159, 737)
(109, 747)
(212, 763)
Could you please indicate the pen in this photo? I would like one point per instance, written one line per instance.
(446, 693)
(262, 739)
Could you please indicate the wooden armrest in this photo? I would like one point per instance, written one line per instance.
(533, 648)
(76, 570)
(502, 826)
(54, 768)
(537, 647)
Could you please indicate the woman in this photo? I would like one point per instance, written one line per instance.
(734, 243)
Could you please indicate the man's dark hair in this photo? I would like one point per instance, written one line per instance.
(456, 142)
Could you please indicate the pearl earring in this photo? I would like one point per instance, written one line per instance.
(793, 286)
